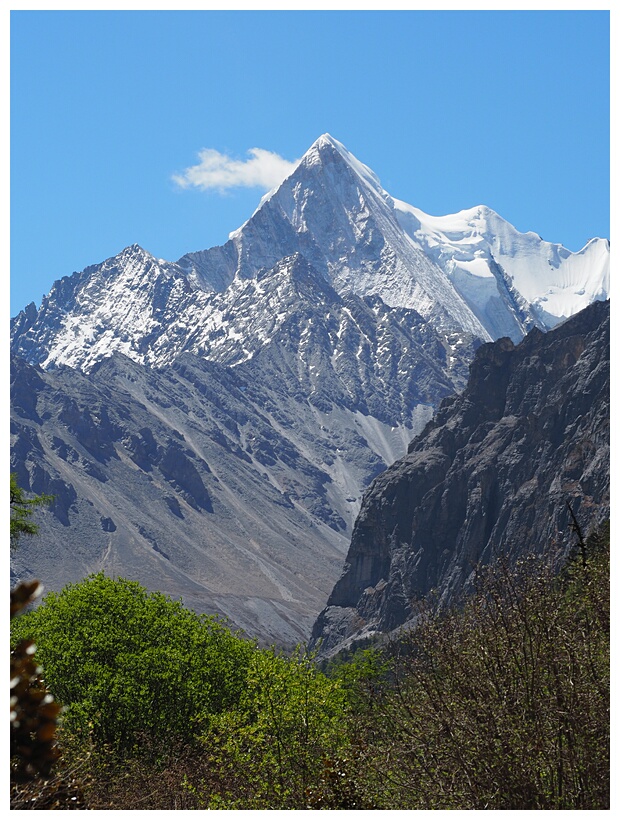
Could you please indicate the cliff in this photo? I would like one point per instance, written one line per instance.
(490, 475)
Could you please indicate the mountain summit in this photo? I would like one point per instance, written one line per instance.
(208, 426)
(471, 271)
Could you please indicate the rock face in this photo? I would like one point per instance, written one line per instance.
(490, 475)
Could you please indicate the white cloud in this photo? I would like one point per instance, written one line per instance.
(263, 170)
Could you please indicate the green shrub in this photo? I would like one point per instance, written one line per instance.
(500, 703)
(127, 662)
(270, 749)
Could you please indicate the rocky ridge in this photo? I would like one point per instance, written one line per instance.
(470, 274)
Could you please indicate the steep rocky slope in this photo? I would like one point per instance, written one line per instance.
(490, 475)
(177, 479)
(233, 487)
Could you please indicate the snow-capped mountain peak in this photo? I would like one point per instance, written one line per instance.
(326, 160)
(476, 244)
(223, 413)
(326, 146)
(470, 272)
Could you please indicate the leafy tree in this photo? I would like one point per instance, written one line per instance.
(126, 662)
(273, 747)
(21, 511)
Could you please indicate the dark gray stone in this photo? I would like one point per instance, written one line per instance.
(492, 474)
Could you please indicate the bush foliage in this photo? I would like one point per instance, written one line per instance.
(500, 703)
(126, 662)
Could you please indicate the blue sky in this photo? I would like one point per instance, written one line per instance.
(450, 109)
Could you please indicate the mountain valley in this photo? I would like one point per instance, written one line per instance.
(209, 426)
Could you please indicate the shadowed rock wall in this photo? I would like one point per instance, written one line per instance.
(490, 475)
